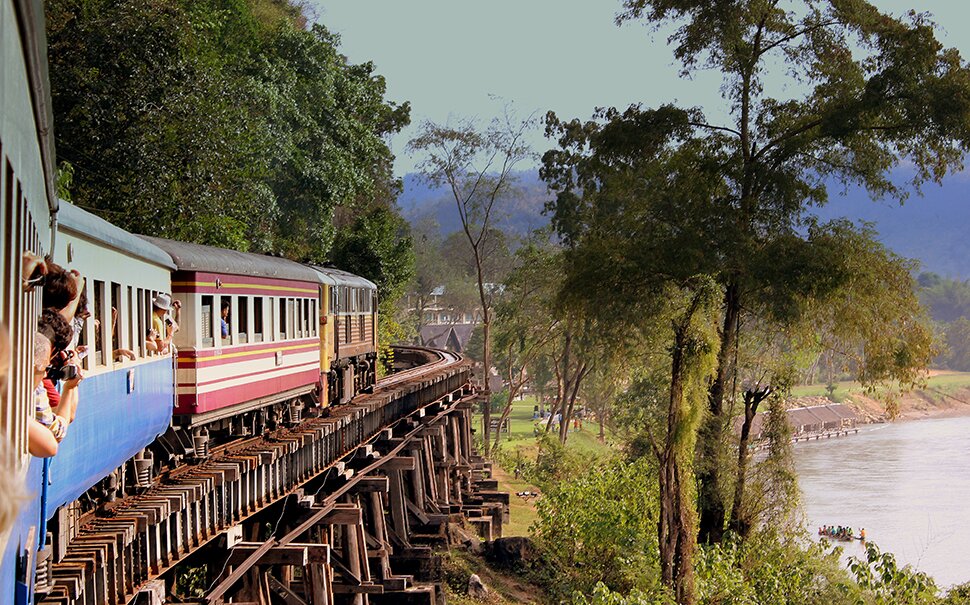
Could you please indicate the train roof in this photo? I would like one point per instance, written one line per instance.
(90, 226)
(197, 257)
(343, 278)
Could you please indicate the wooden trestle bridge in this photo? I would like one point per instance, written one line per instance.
(346, 508)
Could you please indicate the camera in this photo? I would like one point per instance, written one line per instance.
(59, 368)
(62, 373)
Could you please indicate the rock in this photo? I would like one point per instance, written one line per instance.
(477, 588)
(515, 552)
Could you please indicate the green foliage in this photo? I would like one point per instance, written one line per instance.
(600, 527)
(888, 583)
(221, 122)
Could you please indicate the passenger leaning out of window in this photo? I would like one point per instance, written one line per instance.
(164, 326)
(48, 428)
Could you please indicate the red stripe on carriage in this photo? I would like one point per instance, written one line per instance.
(207, 402)
(208, 357)
(250, 374)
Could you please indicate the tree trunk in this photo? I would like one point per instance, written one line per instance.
(675, 528)
(567, 418)
(740, 523)
(712, 435)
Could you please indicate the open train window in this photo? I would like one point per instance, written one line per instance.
(207, 340)
(225, 319)
(140, 328)
(130, 312)
(282, 331)
(291, 324)
(115, 321)
(298, 318)
(242, 310)
(100, 334)
(257, 319)
(306, 317)
(314, 319)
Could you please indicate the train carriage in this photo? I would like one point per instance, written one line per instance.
(28, 206)
(351, 334)
(248, 343)
(127, 392)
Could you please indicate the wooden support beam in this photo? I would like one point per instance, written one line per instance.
(400, 463)
(370, 484)
(289, 554)
(289, 597)
(358, 589)
(341, 514)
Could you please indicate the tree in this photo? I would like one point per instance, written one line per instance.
(476, 166)
(220, 122)
(525, 319)
(868, 91)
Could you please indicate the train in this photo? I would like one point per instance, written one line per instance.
(262, 341)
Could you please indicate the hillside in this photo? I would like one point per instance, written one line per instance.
(931, 228)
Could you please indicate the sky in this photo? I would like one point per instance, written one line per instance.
(456, 58)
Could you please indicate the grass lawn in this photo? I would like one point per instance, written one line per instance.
(522, 439)
(944, 381)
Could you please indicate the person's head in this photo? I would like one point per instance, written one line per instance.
(161, 304)
(42, 357)
(60, 287)
(57, 330)
(225, 309)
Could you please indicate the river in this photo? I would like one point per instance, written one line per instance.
(907, 484)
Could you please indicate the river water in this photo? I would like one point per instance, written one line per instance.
(907, 484)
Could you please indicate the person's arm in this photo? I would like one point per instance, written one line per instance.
(164, 344)
(67, 409)
(71, 308)
(40, 441)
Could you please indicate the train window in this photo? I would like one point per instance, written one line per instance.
(242, 309)
(347, 327)
(130, 321)
(207, 340)
(100, 334)
(291, 324)
(306, 317)
(298, 318)
(257, 319)
(271, 333)
(360, 322)
(140, 320)
(225, 319)
(116, 309)
(314, 318)
(282, 330)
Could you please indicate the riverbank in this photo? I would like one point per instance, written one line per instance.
(946, 394)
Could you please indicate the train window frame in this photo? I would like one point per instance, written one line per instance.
(243, 321)
(298, 317)
(98, 316)
(259, 318)
(226, 341)
(206, 300)
(283, 319)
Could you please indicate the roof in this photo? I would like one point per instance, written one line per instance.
(343, 278)
(89, 226)
(196, 257)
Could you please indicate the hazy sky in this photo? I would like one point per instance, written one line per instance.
(454, 57)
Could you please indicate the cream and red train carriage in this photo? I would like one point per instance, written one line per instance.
(264, 339)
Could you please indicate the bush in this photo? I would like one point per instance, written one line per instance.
(600, 527)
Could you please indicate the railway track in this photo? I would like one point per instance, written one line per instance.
(112, 557)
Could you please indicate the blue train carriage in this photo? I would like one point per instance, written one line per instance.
(126, 397)
(28, 204)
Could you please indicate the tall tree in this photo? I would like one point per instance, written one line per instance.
(867, 91)
(477, 167)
